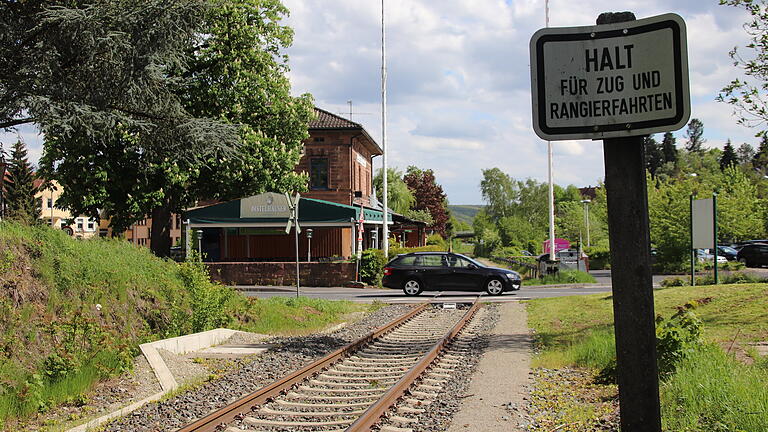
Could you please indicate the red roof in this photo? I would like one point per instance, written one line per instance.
(325, 120)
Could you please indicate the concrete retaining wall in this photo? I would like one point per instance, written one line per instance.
(282, 273)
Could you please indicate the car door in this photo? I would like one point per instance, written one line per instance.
(464, 274)
(433, 270)
(761, 255)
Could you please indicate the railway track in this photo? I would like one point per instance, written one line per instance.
(354, 388)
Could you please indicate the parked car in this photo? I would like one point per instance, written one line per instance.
(728, 252)
(704, 255)
(422, 271)
(741, 244)
(753, 255)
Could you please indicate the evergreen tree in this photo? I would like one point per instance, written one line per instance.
(21, 204)
(2, 181)
(668, 148)
(760, 159)
(695, 136)
(729, 156)
(654, 155)
(745, 153)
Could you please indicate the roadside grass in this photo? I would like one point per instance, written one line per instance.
(562, 277)
(293, 316)
(711, 390)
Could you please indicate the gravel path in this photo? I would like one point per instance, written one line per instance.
(502, 377)
(288, 355)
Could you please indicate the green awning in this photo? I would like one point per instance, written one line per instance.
(310, 211)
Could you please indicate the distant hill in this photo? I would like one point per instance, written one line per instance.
(465, 213)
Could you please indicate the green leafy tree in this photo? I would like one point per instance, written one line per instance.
(532, 203)
(695, 136)
(517, 232)
(747, 95)
(430, 197)
(669, 214)
(499, 192)
(399, 196)
(654, 155)
(21, 205)
(729, 156)
(741, 213)
(233, 71)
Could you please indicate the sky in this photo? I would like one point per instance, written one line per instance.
(458, 90)
(458, 94)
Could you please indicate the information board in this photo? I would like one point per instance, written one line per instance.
(610, 81)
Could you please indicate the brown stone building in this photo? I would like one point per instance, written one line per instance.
(338, 157)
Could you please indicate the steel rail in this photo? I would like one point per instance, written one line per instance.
(375, 412)
(244, 405)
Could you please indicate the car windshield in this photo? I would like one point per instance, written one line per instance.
(727, 249)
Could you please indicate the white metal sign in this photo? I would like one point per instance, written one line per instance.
(703, 223)
(610, 81)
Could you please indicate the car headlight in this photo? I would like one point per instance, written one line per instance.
(513, 276)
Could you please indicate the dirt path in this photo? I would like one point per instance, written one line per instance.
(501, 377)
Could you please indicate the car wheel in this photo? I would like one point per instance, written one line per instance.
(412, 287)
(744, 261)
(494, 286)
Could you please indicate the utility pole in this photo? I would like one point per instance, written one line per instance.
(586, 218)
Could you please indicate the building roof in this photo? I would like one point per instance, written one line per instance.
(325, 120)
(328, 120)
(310, 210)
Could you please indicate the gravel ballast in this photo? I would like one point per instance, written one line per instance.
(288, 355)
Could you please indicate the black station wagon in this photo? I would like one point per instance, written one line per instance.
(423, 271)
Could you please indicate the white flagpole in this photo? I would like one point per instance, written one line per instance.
(385, 229)
(551, 197)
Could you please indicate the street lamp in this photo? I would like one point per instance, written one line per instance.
(309, 244)
(586, 217)
(200, 243)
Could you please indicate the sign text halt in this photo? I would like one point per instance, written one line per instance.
(610, 81)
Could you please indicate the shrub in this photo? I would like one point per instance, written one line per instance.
(208, 300)
(676, 338)
(674, 281)
(372, 262)
(436, 240)
(563, 277)
(599, 257)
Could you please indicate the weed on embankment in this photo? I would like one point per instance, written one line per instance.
(73, 312)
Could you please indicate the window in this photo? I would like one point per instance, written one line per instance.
(50, 203)
(406, 261)
(79, 224)
(454, 261)
(91, 225)
(318, 173)
(430, 260)
(178, 221)
(319, 139)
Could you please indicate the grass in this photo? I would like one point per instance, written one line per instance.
(562, 277)
(711, 390)
(292, 316)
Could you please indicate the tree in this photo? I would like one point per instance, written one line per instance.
(748, 95)
(21, 205)
(399, 196)
(234, 74)
(740, 213)
(695, 135)
(760, 159)
(499, 191)
(429, 196)
(654, 155)
(668, 148)
(729, 156)
(745, 153)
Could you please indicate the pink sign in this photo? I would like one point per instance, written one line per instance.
(560, 244)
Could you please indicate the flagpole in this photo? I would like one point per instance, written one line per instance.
(385, 229)
(551, 197)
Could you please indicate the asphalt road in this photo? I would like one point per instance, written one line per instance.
(396, 296)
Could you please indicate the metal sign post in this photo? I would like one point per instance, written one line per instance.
(309, 244)
(704, 230)
(618, 81)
